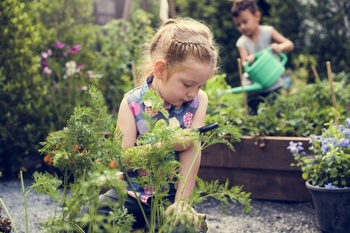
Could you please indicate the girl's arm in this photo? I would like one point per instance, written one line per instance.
(127, 125)
(192, 153)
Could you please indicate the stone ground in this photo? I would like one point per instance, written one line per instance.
(265, 217)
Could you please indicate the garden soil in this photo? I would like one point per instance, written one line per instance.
(265, 217)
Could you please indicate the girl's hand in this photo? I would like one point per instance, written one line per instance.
(183, 139)
(182, 211)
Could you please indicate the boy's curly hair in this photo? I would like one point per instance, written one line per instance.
(242, 5)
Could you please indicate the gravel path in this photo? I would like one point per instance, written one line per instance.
(265, 217)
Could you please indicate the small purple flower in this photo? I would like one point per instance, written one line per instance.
(347, 122)
(344, 142)
(347, 132)
(60, 45)
(341, 128)
(325, 146)
(75, 49)
(47, 71)
(44, 64)
(330, 186)
(295, 147)
(64, 54)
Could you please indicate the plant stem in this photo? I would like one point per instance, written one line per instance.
(25, 202)
(64, 195)
(138, 201)
(8, 215)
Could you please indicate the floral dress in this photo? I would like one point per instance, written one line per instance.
(178, 117)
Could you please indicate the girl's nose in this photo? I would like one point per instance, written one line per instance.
(192, 94)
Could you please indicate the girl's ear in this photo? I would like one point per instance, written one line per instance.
(159, 68)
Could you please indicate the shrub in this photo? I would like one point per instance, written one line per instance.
(120, 42)
(23, 107)
(301, 112)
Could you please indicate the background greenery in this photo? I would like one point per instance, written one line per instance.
(27, 97)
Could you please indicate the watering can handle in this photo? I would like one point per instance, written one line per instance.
(282, 55)
(284, 58)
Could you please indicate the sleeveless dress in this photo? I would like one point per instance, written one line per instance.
(178, 117)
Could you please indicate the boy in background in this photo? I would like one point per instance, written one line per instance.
(256, 37)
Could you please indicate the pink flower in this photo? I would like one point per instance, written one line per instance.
(44, 55)
(47, 71)
(60, 45)
(80, 67)
(75, 49)
(64, 54)
(91, 74)
(49, 52)
(81, 88)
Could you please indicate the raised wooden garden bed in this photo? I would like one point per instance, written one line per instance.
(261, 165)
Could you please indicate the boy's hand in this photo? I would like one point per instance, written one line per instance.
(250, 58)
(276, 48)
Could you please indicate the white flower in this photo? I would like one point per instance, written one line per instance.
(71, 68)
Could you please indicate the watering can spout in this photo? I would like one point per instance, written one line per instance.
(250, 88)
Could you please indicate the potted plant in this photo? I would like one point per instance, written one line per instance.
(259, 162)
(327, 174)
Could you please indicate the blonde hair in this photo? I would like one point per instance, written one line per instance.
(176, 40)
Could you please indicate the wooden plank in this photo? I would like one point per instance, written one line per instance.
(249, 154)
(264, 171)
(262, 184)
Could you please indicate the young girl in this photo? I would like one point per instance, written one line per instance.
(179, 60)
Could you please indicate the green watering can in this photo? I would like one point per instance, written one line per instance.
(264, 72)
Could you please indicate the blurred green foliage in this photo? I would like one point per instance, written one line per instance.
(120, 43)
(34, 104)
(310, 25)
(30, 27)
(301, 112)
(22, 101)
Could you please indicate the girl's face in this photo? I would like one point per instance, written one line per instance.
(183, 84)
(247, 23)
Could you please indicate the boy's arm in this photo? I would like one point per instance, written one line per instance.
(281, 43)
(245, 56)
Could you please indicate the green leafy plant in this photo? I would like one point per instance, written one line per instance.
(87, 148)
(298, 113)
(329, 167)
(22, 99)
